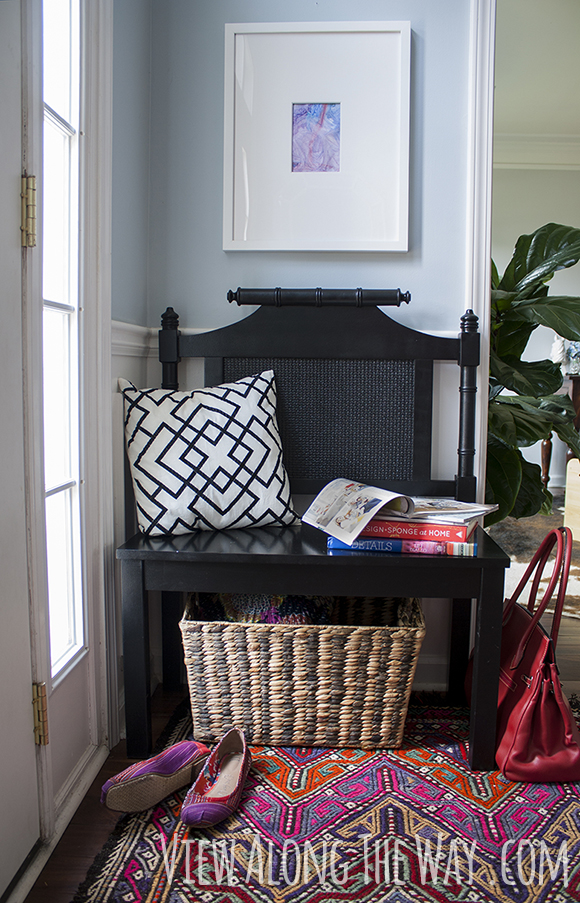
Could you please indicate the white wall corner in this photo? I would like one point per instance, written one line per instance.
(479, 196)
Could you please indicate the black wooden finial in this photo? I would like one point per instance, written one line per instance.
(469, 321)
(169, 319)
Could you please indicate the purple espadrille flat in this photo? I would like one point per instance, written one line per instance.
(146, 783)
(218, 789)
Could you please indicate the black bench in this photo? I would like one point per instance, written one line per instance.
(355, 396)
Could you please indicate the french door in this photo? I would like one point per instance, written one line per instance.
(56, 549)
(18, 779)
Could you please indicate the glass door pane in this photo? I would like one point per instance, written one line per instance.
(57, 398)
(60, 325)
(63, 607)
(56, 205)
(58, 40)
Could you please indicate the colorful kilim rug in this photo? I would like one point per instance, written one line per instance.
(411, 825)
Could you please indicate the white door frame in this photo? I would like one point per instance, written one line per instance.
(479, 194)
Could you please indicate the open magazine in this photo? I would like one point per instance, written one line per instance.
(438, 510)
(344, 507)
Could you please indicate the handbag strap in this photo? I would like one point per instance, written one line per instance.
(559, 607)
(561, 538)
(538, 563)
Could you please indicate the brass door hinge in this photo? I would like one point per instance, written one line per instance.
(28, 211)
(40, 714)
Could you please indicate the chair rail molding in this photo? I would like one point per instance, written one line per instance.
(129, 340)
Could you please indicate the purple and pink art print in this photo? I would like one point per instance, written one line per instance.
(315, 137)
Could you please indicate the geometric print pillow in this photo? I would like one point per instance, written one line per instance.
(209, 459)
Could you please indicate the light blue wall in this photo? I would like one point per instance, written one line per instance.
(186, 266)
(131, 126)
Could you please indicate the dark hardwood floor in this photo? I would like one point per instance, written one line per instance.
(92, 822)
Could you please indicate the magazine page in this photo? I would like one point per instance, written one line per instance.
(344, 507)
(443, 509)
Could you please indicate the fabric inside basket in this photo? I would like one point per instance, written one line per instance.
(296, 609)
(260, 608)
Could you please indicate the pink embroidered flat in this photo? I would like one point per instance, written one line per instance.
(146, 783)
(217, 791)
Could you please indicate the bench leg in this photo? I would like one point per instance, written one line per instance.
(486, 658)
(171, 612)
(136, 664)
(459, 649)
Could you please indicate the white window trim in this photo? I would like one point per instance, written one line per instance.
(95, 350)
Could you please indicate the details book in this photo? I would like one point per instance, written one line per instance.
(405, 546)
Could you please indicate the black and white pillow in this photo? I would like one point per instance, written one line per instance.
(210, 459)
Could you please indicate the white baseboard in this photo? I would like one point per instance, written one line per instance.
(432, 673)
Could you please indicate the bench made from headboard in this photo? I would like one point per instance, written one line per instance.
(355, 399)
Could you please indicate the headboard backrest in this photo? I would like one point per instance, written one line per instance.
(355, 390)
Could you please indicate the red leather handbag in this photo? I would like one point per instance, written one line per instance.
(537, 739)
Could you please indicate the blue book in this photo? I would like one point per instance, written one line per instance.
(404, 546)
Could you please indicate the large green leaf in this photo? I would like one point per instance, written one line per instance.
(537, 256)
(502, 301)
(532, 496)
(558, 408)
(517, 425)
(511, 336)
(558, 312)
(503, 478)
(494, 275)
(526, 377)
(495, 388)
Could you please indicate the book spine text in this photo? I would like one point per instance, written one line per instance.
(414, 530)
(406, 546)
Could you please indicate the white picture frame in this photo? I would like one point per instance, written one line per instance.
(362, 68)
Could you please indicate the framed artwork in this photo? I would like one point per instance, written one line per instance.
(316, 149)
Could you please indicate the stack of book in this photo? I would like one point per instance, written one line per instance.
(367, 519)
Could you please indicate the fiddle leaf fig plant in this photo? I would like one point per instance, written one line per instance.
(524, 406)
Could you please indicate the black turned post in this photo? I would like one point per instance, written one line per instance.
(465, 481)
(136, 665)
(169, 349)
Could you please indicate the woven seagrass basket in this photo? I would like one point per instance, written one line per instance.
(344, 684)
